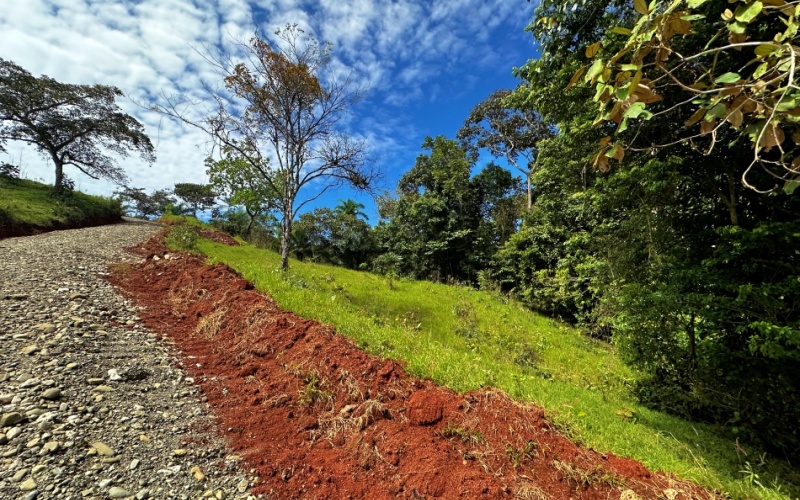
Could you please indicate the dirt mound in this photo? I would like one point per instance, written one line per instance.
(319, 418)
(218, 236)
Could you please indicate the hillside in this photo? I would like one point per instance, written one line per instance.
(29, 207)
(470, 341)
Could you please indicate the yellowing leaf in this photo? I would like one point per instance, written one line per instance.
(592, 50)
(641, 7)
(576, 77)
(735, 118)
(696, 117)
(616, 152)
(727, 15)
(773, 136)
(619, 30)
(766, 49)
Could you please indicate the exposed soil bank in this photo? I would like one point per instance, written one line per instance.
(319, 418)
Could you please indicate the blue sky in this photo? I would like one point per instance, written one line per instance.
(424, 64)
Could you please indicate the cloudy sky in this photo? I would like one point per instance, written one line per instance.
(425, 63)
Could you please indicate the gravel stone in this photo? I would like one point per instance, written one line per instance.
(78, 370)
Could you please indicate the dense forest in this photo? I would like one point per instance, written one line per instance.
(642, 190)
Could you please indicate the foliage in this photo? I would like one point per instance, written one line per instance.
(9, 171)
(197, 196)
(285, 106)
(335, 236)
(580, 382)
(182, 237)
(76, 125)
(713, 66)
(505, 131)
(691, 274)
(444, 225)
(138, 203)
(242, 185)
(262, 231)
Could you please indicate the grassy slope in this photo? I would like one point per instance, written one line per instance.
(466, 339)
(27, 207)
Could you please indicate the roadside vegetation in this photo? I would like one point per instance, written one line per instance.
(466, 339)
(28, 207)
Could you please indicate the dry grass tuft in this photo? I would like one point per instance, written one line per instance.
(529, 491)
(349, 420)
(209, 326)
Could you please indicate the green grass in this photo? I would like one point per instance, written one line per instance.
(28, 206)
(467, 339)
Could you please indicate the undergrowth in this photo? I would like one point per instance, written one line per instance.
(467, 339)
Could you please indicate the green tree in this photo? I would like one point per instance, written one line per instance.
(197, 196)
(138, 202)
(506, 131)
(335, 236)
(285, 107)
(76, 125)
(443, 223)
(352, 208)
(667, 250)
(242, 185)
(728, 65)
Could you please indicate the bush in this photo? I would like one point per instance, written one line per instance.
(9, 171)
(182, 237)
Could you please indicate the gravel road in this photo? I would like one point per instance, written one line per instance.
(93, 405)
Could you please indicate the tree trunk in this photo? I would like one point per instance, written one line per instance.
(530, 193)
(286, 237)
(58, 185)
(732, 206)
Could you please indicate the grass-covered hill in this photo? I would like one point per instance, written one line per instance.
(29, 207)
(467, 339)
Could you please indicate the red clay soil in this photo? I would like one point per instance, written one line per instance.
(317, 417)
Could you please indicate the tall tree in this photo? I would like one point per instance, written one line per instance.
(197, 196)
(287, 108)
(508, 131)
(76, 125)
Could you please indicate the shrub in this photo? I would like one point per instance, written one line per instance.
(182, 237)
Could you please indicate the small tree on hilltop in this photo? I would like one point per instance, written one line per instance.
(77, 125)
(138, 202)
(282, 119)
(197, 196)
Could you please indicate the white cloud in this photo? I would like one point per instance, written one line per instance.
(404, 51)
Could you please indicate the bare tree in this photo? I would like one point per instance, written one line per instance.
(280, 116)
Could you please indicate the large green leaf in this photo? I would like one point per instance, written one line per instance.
(728, 78)
(746, 13)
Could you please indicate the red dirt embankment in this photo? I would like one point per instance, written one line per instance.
(319, 418)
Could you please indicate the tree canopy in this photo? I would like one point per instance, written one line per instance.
(197, 196)
(73, 125)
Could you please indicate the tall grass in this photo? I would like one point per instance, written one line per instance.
(467, 339)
